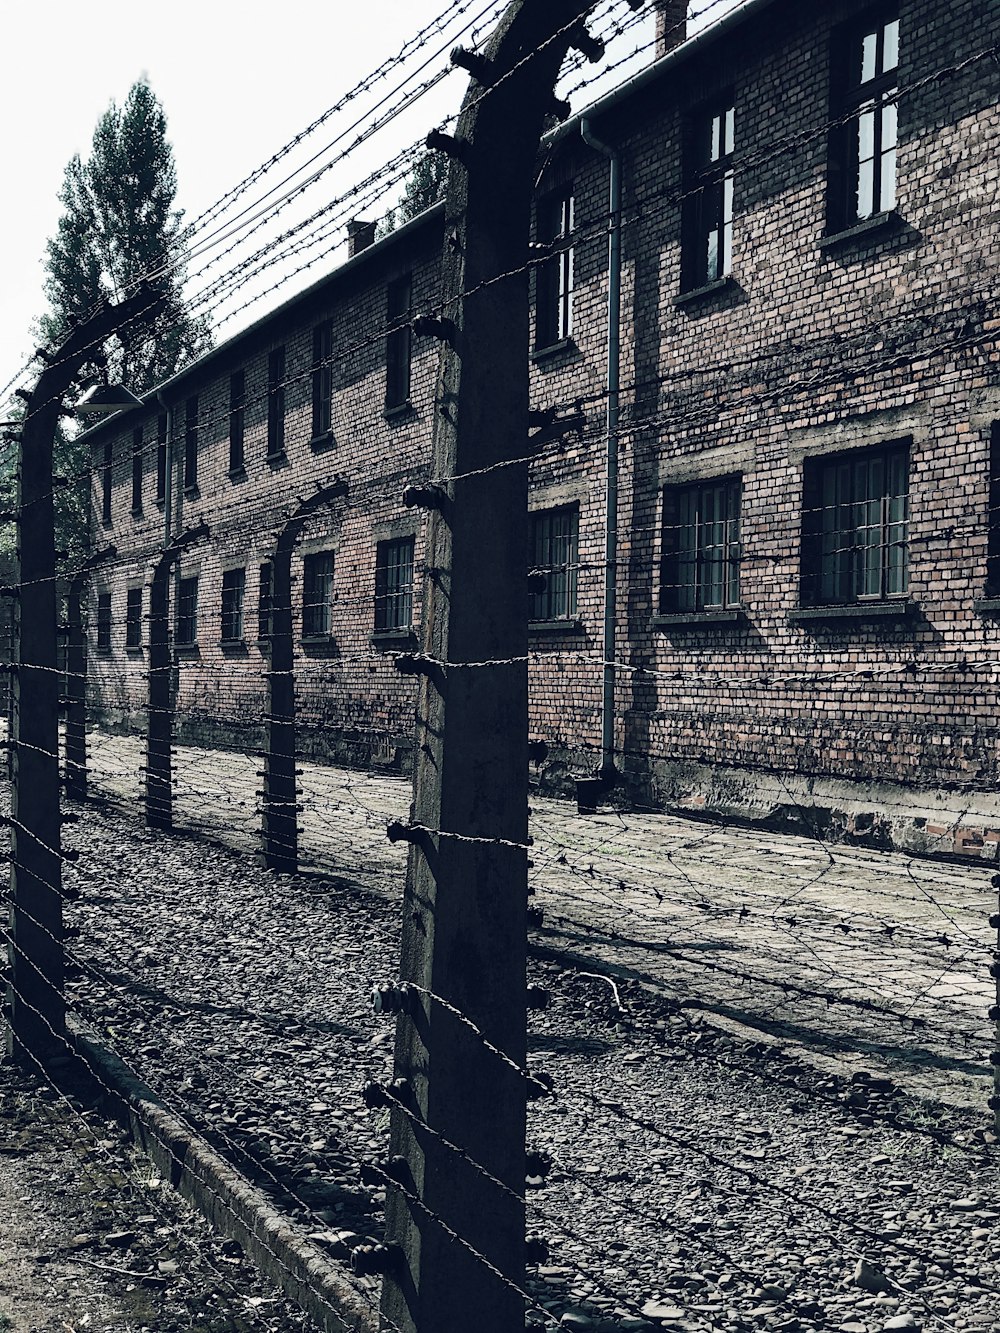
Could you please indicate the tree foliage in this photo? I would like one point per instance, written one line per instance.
(424, 186)
(120, 225)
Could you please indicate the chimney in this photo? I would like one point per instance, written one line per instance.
(360, 235)
(671, 25)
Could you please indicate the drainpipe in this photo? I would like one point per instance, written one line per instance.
(594, 788)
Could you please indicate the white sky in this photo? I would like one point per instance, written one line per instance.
(236, 82)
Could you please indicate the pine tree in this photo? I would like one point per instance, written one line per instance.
(120, 225)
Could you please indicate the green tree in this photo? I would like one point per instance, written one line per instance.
(120, 225)
(424, 186)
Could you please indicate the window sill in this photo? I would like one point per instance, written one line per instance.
(319, 645)
(238, 473)
(160, 502)
(399, 411)
(406, 634)
(733, 615)
(562, 626)
(187, 650)
(987, 606)
(277, 459)
(860, 231)
(553, 350)
(320, 443)
(136, 511)
(135, 650)
(192, 492)
(713, 288)
(233, 647)
(103, 652)
(894, 610)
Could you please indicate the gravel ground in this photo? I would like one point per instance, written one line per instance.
(91, 1239)
(700, 1180)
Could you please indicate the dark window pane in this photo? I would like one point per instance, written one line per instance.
(863, 134)
(399, 300)
(264, 602)
(394, 584)
(276, 403)
(701, 546)
(555, 278)
(133, 618)
(237, 412)
(317, 593)
(106, 479)
(187, 611)
(161, 458)
(707, 217)
(554, 542)
(322, 380)
(104, 622)
(137, 470)
(191, 444)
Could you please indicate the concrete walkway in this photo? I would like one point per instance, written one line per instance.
(857, 958)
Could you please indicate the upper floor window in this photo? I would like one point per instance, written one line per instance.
(106, 478)
(161, 458)
(707, 243)
(863, 139)
(855, 526)
(186, 625)
(264, 602)
(554, 535)
(137, 470)
(317, 594)
(993, 517)
(700, 569)
(399, 303)
(233, 587)
(322, 380)
(394, 584)
(554, 282)
(104, 622)
(191, 443)
(133, 618)
(237, 413)
(276, 403)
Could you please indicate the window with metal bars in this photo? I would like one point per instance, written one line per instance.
(993, 517)
(855, 526)
(317, 594)
(104, 622)
(322, 380)
(233, 588)
(399, 302)
(133, 618)
(863, 137)
(264, 602)
(700, 568)
(555, 277)
(276, 403)
(707, 213)
(394, 584)
(186, 623)
(554, 545)
(137, 470)
(237, 416)
(191, 443)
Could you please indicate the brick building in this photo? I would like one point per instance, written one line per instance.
(807, 543)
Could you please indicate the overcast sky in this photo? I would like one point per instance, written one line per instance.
(236, 82)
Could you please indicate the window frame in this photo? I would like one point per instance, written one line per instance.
(852, 97)
(233, 595)
(317, 610)
(709, 182)
(237, 422)
(133, 618)
(555, 277)
(186, 615)
(710, 510)
(558, 601)
(137, 471)
(276, 403)
(398, 342)
(191, 443)
(322, 380)
(837, 553)
(103, 623)
(265, 601)
(394, 580)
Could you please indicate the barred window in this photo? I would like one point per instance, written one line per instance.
(707, 246)
(855, 526)
(233, 587)
(863, 138)
(317, 594)
(322, 380)
(237, 415)
(555, 279)
(276, 403)
(700, 568)
(186, 625)
(399, 301)
(554, 542)
(104, 622)
(394, 584)
(133, 618)
(264, 602)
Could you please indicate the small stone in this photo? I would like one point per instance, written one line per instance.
(900, 1322)
(168, 1267)
(869, 1278)
(121, 1240)
(658, 1310)
(965, 1205)
(576, 1319)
